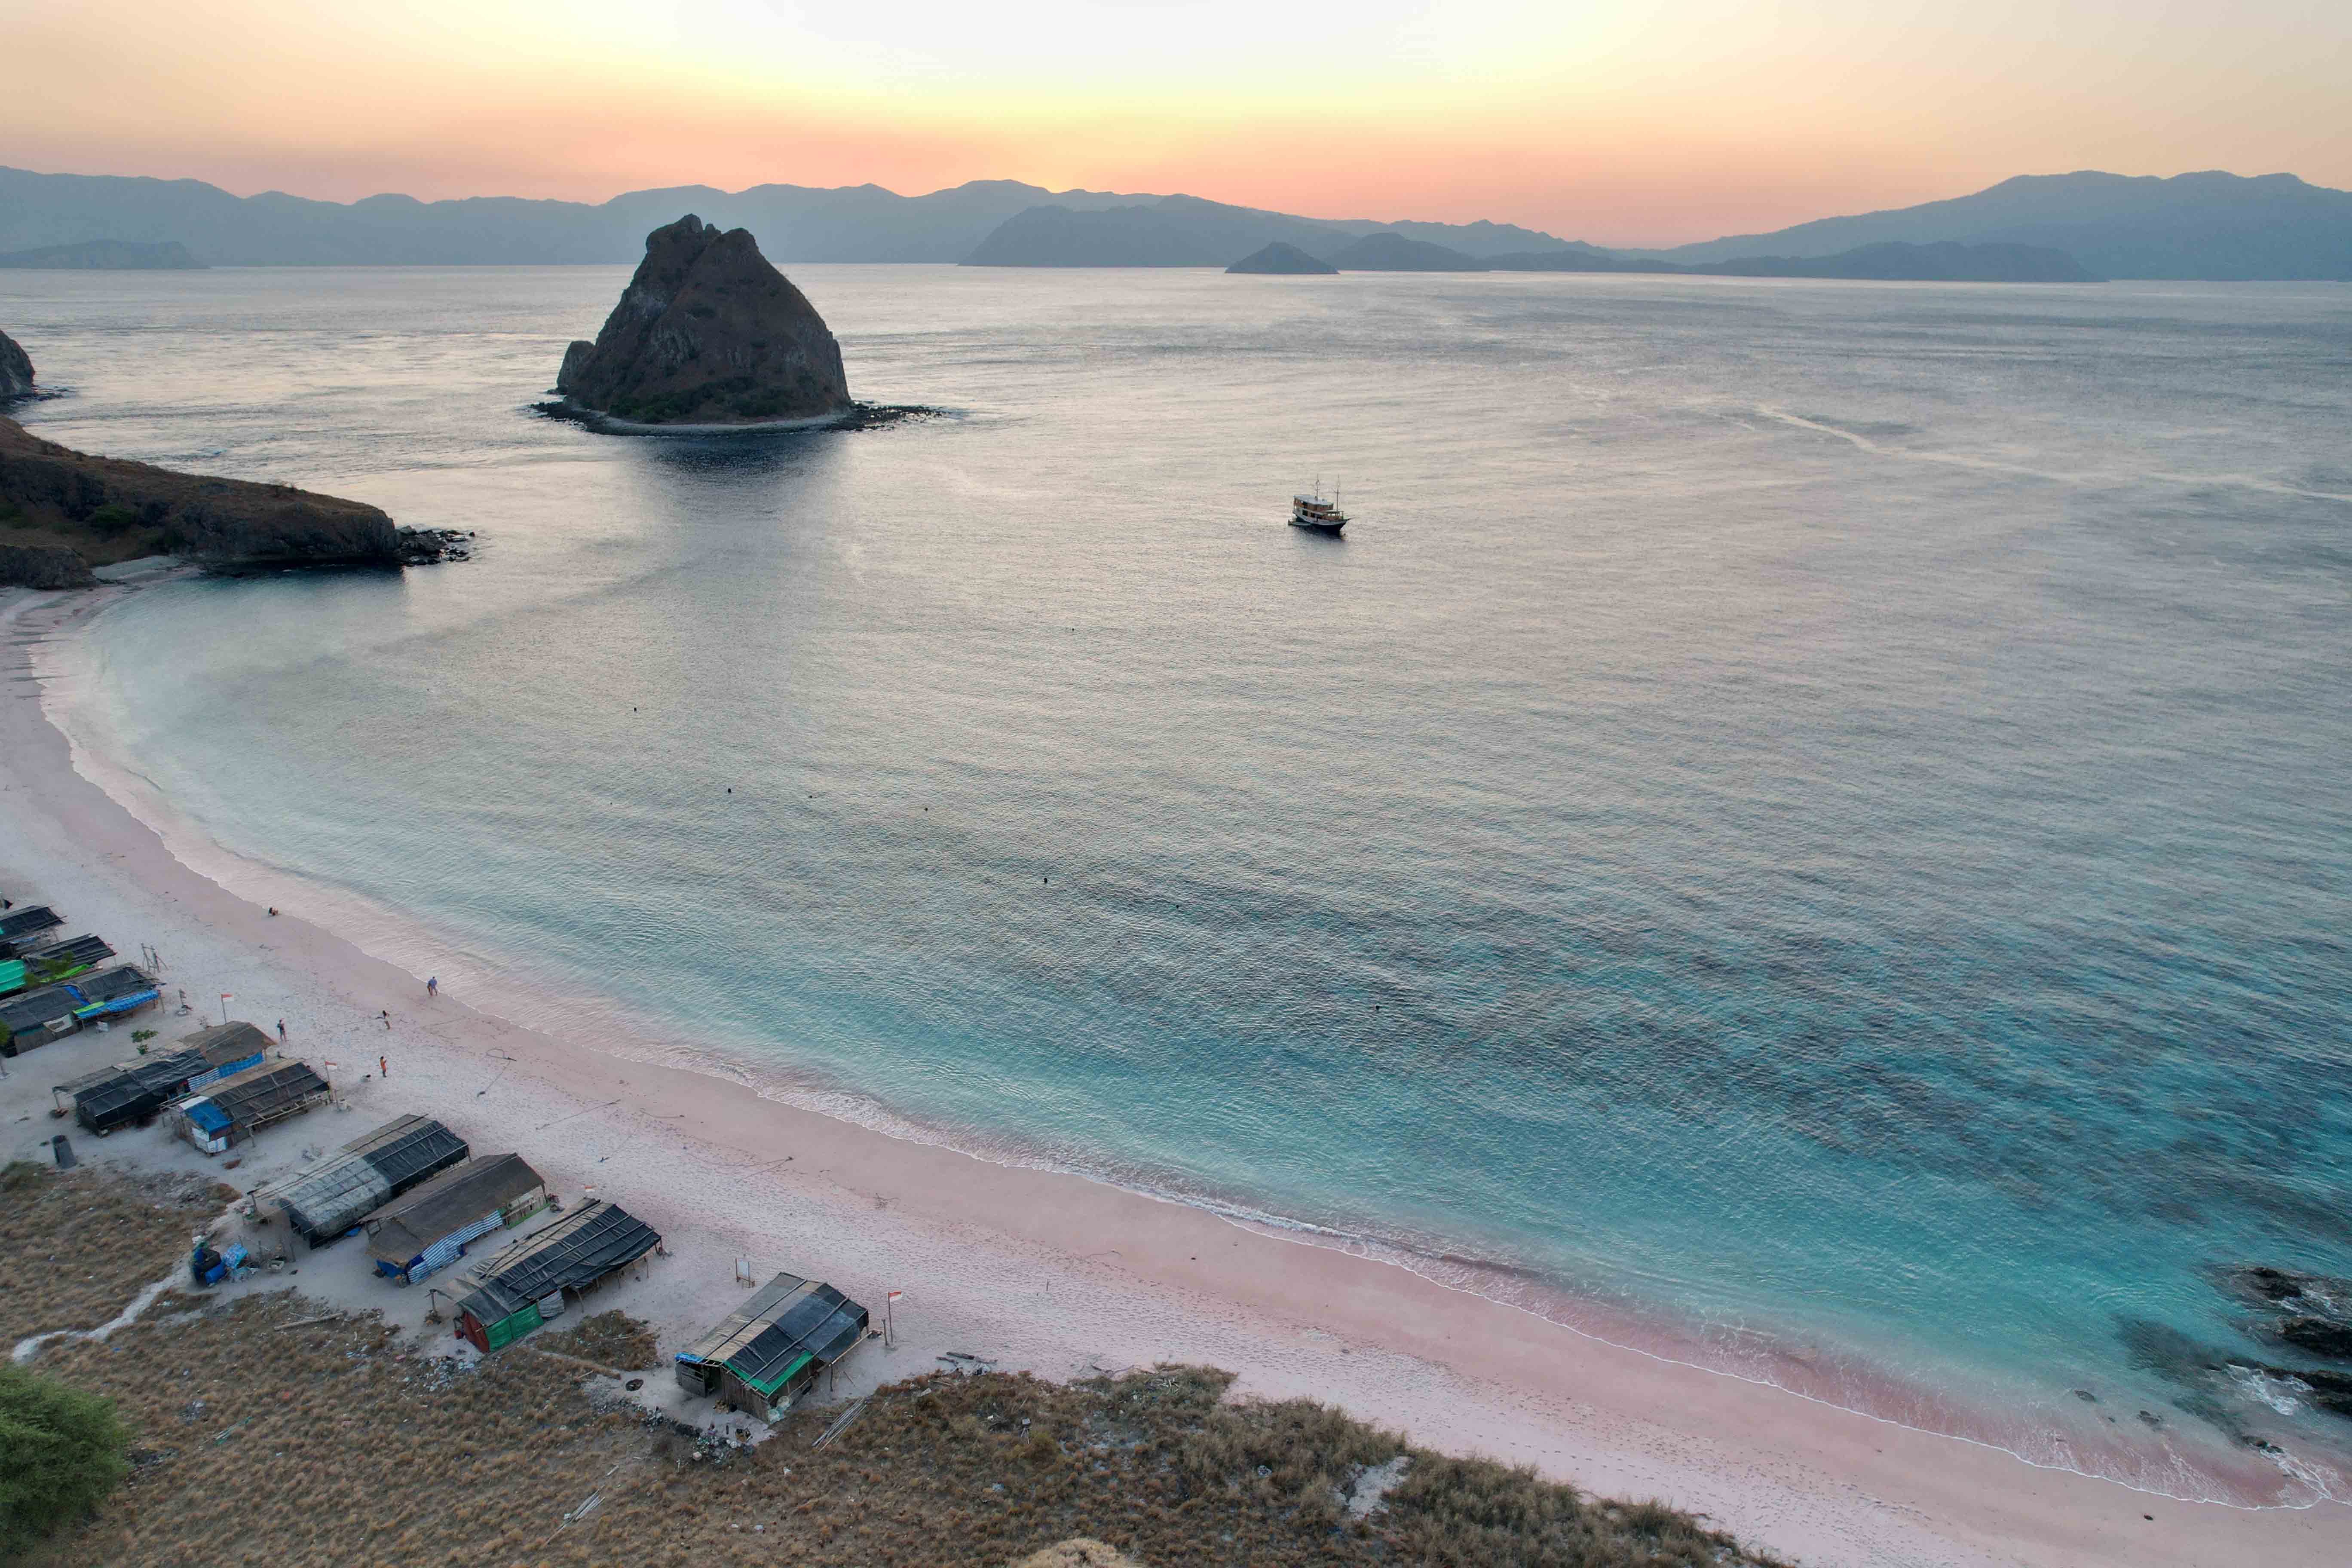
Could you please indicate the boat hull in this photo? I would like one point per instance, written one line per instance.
(1333, 529)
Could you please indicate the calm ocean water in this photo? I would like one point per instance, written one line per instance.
(1808, 818)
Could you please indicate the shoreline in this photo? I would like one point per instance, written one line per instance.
(1124, 1277)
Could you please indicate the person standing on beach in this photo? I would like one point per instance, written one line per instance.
(383, 1067)
(281, 1031)
(386, 1016)
(433, 985)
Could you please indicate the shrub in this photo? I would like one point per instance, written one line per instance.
(61, 1451)
(113, 517)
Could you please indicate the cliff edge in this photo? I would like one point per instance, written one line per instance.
(708, 332)
(54, 502)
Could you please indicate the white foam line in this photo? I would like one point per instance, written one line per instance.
(1990, 465)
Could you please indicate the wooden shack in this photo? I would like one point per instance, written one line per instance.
(229, 1047)
(234, 1108)
(113, 992)
(52, 964)
(328, 1201)
(778, 1360)
(32, 1019)
(429, 1227)
(772, 1350)
(699, 1364)
(529, 1282)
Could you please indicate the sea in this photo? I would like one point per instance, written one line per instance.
(1805, 825)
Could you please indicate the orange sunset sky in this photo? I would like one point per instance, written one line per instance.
(1623, 123)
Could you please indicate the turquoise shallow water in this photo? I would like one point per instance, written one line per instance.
(1809, 819)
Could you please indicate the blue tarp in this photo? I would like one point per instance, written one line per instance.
(208, 1116)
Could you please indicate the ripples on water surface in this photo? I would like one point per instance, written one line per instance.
(1810, 815)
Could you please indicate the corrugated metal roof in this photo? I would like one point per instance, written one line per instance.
(447, 1204)
(336, 1193)
(20, 923)
(224, 1043)
(126, 1093)
(37, 1009)
(258, 1092)
(573, 1253)
(722, 1340)
(821, 1323)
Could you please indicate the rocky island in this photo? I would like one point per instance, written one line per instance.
(1283, 259)
(706, 333)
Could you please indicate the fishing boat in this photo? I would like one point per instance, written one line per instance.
(1312, 511)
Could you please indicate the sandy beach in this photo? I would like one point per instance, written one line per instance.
(1031, 1269)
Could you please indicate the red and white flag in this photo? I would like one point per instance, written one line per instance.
(896, 1294)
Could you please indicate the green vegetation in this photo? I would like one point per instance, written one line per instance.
(114, 517)
(61, 1451)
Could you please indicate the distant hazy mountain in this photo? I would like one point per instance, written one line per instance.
(2215, 225)
(792, 223)
(106, 256)
(1388, 251)
(1946, 261)
(1185, 231)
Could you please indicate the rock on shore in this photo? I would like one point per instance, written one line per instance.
(15, 369)
(708, 332)
(103, 510)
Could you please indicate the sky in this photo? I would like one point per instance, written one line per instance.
(1618, 122)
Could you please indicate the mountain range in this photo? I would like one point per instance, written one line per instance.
(2208, 225)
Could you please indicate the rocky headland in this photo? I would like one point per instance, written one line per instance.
(15, 369)
(706, 333)
(63, 513)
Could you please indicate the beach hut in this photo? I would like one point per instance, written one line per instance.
(699, 1364)
(52, 964)
(113, 992)
(768, 1369)
(29, 931)
(428, 1228)
(129, 1092)
(522, 1286)
(228, 1049)
(34, 1018)
(329, 1200)
(234, 1108)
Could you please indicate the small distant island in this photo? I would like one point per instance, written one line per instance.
(1283, 259)
(708, 333)
(1944, 261)
(105, 255)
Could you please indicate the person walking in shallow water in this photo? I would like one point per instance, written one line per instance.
(433, 985)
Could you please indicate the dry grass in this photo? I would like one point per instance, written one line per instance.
(611, 1338)
(80, 1244)
(336, 1444)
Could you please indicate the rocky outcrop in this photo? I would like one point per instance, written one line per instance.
(106, 509)
(1285, 259)
(43, 566)
(706, 333)
(15, 369)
